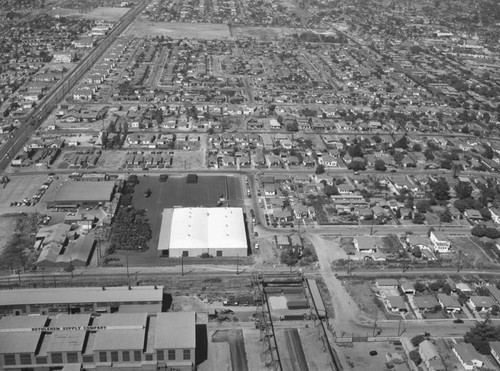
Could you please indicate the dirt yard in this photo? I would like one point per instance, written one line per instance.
(262, 33)
(179, 30)
(362, 293)
(358, 356)
(317, 359)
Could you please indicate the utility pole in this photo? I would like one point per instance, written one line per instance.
(71, 265)
(374, 328)
(128, 275)
(349, 265)
(182, 264)
(237, 264)
(399, 328)
(371, 228)
(459, 260)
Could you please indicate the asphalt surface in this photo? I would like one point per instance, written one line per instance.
(236, 347)
(296, 359)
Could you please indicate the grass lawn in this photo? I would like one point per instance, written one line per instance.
(177, 192)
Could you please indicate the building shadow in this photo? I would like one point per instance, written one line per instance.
(201, 344)
(167, 302)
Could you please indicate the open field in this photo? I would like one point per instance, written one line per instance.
(362, 293)
(471, 254)
(101, 13)
(262, 33)
(178, 30)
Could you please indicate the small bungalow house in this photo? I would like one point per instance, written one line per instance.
(481, 303)
(430, 356)
(365, 244)
(449, 303)
(396, 304)
(468, 356)
(426, 303)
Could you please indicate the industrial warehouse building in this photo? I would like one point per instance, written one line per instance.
(77, 253)
(73, 194)
(215, 231)
(82, 300)
(119, 341)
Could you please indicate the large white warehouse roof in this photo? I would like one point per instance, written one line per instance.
(203, 228)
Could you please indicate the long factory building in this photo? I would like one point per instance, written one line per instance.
(82, 300)
(110, 341)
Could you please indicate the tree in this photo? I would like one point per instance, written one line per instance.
(481, 334)
(415, 357)
(429, 155)
(417, 147)
(488, 152)
(290, 256)
(320, 169)
(419, 219)
(445, 216)
(330, 190)
(380, 165)
(416, 340)
(423, 206)
(292, 126)
(482, 231)
(463, 190)
(419, 286)
(355, 150)
(441, 189)
(357, 165)
(401, 143)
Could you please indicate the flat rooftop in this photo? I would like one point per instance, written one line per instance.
(72, 191)
(175, 330)
(81, 295)
(203, 228)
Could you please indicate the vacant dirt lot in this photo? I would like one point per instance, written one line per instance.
(101, 13)
(363, 295)
(358, 356)
(179, 30)
(261, 33)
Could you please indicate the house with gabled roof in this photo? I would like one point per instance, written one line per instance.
(430, 356)
(468, 356)
(449, 303)
(426, 303)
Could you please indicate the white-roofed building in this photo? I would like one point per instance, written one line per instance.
(215, 231)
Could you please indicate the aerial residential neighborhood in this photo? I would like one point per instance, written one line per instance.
(249, 185)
